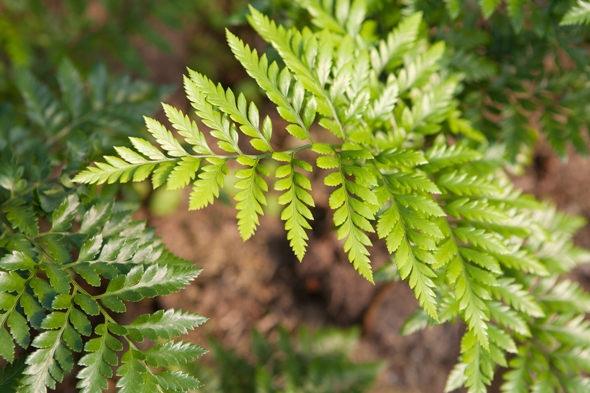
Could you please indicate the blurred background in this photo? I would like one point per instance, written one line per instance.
(257, 286)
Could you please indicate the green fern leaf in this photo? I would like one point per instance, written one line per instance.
(17, 261)
(136, 376)
(22, 217)
(172, 353)
(421, 67)
(480, 239)
(98, 362)
(183, 173)
(163, 324)
(61, 219)
(479, 368)
(405, 183)
(207, 187)
(139, 283)
(407, 257)
(296, 214)
(241, 113)
(165, 138)
(471, 303)
(515, 296)
(222, 128)
(399, 42)
(177, 381)
(286, 43)
(274, 83)
(188, 129)
(352, 216)
(11, 375)
(578, 14)
(462, 184)
(401, 158)
(251, 196)
(439, 157)
(566, 297)
(477, 210)
(72, 88)
(508, 318)
(52, 359)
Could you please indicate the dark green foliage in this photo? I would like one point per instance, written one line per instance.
(524, 68)
(70, 258)
(470, 246)
(316, 362)
(85, 120)
(37, 31)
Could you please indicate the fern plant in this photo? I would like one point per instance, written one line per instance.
(469, 245)
(70, 259)
(512, 93)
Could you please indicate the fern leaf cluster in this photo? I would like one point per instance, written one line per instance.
(136, 266)
(470, 246)
(500, 100)
(70, 260)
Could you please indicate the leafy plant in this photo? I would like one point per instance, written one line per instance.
(70, 259)
(316, 361)
(470, 246)
(35, 31)
(524, 65)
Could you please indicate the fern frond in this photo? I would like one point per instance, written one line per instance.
(461, 183)
(296, 214)
(322, 16)
(472, 291)
(135, 374)
(301, 60)
(578, 14)
(222, 128)
(518, 298)
(163, 324)
(165, 138)
(421, 67)
(479, 366)
(442, 156)
(352, 214)
(207, 186)
(395, 225)
(22, 217)
(132, 165)
(276, 85)
(53, 357)
(477, 210)
(172, 353)
(188, 129)
(565, 297)
(139, 283)
(508, 318)
(98, 361)
(399, 42)
(242, 113)
(251, 196)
